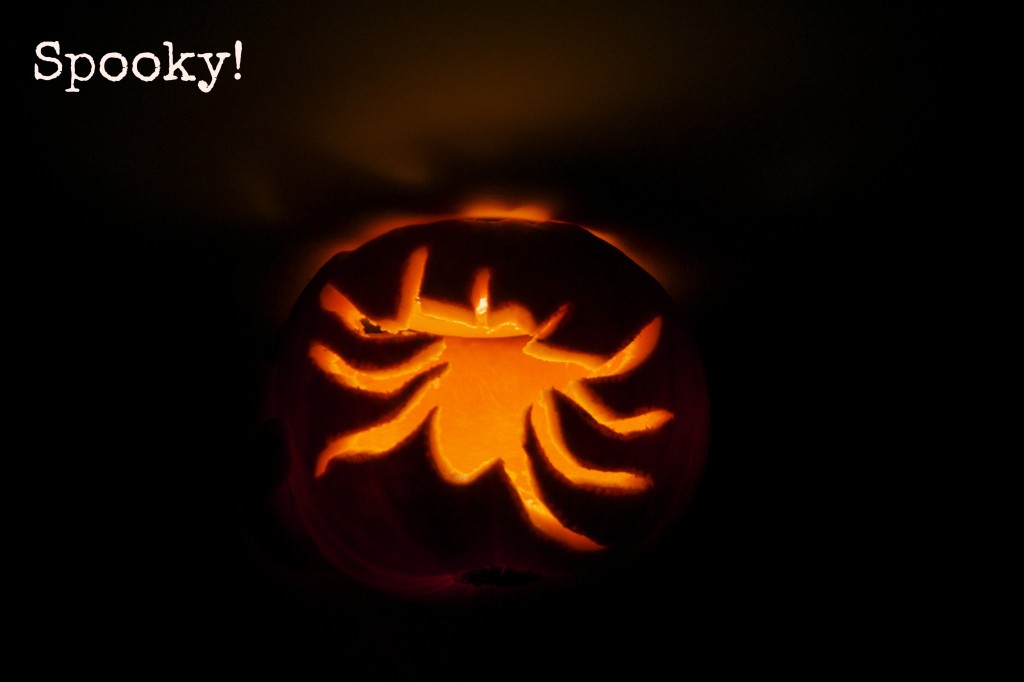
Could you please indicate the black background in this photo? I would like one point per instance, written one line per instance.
(779, 165)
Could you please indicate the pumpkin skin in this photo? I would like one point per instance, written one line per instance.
(588, 493)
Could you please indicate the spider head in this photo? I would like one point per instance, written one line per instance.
(477, 319)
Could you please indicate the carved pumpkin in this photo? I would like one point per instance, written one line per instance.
(473, 402)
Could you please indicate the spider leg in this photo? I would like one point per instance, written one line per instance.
(623, 425)
(536, 348)
(627, 359)
(331, 299)
(382, 438)
(547, 426)
(539, 514)
(633, 354)
(381, 380)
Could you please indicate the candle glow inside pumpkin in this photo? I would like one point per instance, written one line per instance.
(488, 372)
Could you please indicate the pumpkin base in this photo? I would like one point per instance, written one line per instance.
(499, 577)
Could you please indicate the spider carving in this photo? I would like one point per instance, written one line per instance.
(486, 365)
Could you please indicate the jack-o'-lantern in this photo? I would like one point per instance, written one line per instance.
(476, 402)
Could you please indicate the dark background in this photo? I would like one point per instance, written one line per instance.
(779, 166)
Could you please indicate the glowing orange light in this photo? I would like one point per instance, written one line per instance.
(494, 209)
(489, 371)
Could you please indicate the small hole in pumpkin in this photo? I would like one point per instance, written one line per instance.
(371, 328)
(499, 577)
